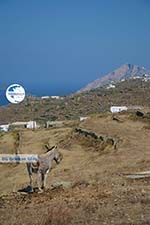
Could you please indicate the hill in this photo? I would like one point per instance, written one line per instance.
(126, 71)
(129, 92)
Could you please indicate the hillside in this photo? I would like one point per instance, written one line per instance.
(88, 186)
(126, 71)
(130, 92)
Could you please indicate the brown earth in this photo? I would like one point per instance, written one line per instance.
(87, 187)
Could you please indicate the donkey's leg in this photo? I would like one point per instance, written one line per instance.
(43, 176)
(31, 182)
(45, 180)
(39, 181)
(29, 168)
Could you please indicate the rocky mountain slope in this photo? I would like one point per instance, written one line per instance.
(126, 71)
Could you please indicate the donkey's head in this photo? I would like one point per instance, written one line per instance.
(57, 155)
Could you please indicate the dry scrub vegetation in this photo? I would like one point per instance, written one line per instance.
(87, 187)
(130, 92)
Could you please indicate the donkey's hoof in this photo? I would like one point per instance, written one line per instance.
(40, 190)
(30, 189)
(27, 189)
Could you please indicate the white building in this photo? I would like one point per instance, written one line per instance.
(19, 123)
(45, 97)
(82, 118)
(28, 125)
(122, 80)
(146, 78)
(57, 97)
(53, 97)
(136, 77)
(31, 125)
(4, 127)
(110, 86)
(54, 124)
(116, 109)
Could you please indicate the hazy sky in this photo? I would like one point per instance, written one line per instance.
(58, 46)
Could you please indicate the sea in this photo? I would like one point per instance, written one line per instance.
(3, 99)
(34, 91)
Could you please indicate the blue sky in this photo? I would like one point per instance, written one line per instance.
(57, 46)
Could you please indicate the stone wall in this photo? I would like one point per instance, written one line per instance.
(100, 141)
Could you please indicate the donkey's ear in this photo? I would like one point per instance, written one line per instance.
(47, 146)
(52, 147)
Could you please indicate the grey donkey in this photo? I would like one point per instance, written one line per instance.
(43, 166)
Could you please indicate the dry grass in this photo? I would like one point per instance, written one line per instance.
(98, 193)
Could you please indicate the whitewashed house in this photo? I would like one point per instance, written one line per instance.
(45, 97)
(122, 80)
(110, 86)
(31, 125)
(146, 77)
(116, 109)
(54, 124)
(136, 77)
(4, 127)
(19, 124)
(57, 97)
(82, 118)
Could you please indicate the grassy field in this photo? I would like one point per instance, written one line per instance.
(87, 187)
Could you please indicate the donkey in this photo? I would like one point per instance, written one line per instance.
(43, 166)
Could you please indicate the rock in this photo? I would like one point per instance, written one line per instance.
(140, 114)
(64, 184)
(102, 140)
